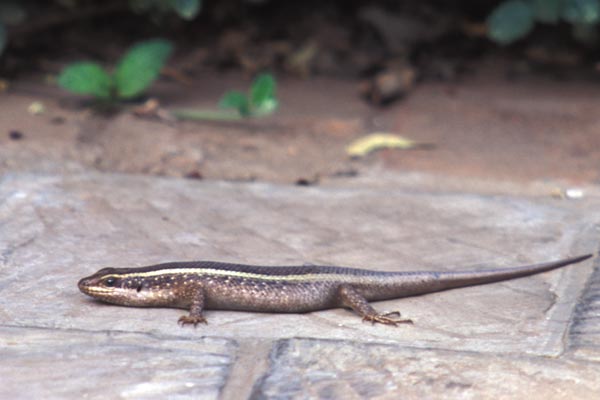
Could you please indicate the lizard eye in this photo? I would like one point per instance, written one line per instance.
(110, 282)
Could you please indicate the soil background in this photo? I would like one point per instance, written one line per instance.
(522, 113)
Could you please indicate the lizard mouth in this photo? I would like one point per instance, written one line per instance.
(91, 287)
(84, 285)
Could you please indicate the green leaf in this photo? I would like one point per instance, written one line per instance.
(3, 38)
(237, 100)
(140, 67)
(262, 90)
(510, 21)
(186, 9)
(547, 11)
(86, 78)
(581, 11)
(266, 107)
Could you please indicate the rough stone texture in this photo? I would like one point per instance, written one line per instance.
(584, 335)
(311, 369)
(54, 230)
(110, 365)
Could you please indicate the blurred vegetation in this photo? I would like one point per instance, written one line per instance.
(15, 12)
(186, 9)
(507, 22)
(392, 42)
(515, 19)
(11, 13)
(259, 101)
(134, 73)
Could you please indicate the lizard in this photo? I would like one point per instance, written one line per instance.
(200, 285)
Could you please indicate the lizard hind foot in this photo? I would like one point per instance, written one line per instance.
(189, 319)
(386, 319)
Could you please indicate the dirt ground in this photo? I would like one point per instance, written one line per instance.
(484, 126)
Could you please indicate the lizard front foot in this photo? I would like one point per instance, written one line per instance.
(386, 319)
(192, 319)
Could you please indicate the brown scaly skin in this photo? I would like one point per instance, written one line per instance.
(197, 286)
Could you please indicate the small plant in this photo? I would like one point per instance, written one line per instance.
(259, 101)
(514, 19)
(134, 73)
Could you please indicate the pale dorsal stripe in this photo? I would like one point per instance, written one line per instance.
(237, 274)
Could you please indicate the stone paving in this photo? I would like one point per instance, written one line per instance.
(534, 337)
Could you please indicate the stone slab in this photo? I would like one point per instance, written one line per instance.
(57, 229)
(584, 334)
(320, 369)
(60, 364)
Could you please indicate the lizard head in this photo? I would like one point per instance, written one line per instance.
(124, 287)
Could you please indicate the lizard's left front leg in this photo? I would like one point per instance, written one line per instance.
(195, 317)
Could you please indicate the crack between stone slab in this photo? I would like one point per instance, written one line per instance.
(257, 233)
(252, 362)
(109, 332)
(568, 346)
(570, 335)
(552, 303)
(478, 246)
(280, 344)
(7, 253)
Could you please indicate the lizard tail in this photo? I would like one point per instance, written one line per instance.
(467, 278)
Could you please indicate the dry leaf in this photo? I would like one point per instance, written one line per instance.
(379, 140)
(36, 108)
